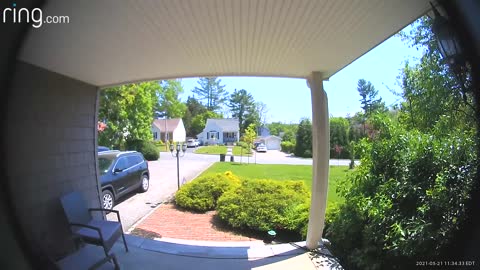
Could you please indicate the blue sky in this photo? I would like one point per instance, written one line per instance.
(288, 100)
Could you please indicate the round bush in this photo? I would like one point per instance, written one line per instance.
(288, 147)
(150, 151)
(262, 204)
(202, 193)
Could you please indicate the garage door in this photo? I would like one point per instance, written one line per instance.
(273, 144)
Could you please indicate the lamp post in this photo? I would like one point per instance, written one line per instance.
(183, 148)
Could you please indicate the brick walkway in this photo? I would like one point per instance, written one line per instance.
(168, 221)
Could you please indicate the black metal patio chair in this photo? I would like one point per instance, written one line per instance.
(93, 231)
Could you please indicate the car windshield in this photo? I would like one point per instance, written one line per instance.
(104, 164)
(190, 140)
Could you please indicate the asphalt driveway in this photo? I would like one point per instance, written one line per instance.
(163, 184)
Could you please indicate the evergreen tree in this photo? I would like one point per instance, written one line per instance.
(242, 106)
(211, 92)
(303, 145)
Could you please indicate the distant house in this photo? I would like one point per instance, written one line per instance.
(168, 130)
(263, 131)
(217, 131)
(271, 142)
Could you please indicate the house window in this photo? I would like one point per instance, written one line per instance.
(213, 135)
(230, 135)
(155, 135)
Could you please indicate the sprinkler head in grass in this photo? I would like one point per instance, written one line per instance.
(271, 235)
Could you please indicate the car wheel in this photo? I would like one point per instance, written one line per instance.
(107, 199)
(145, 183)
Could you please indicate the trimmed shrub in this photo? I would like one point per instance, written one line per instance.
(148, 149)
(288, 147)
(264, 204)
(202, 193)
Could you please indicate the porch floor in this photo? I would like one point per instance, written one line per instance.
(152, 254)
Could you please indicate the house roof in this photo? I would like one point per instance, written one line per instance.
(172, 124)
(226, 124)
(268, 137)
(116, 42)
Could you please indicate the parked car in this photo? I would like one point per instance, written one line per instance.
(120, 174)
(192, 143)
(261, 148)
(103, 148)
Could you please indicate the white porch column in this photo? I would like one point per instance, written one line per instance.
(321, 157)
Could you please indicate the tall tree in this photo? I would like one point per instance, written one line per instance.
(212, 92)
(370, 102)
(338, 136)
(128, 112)
(199, 121)
(169, 104)
(194, 108)
(303, 145)
(432, 92)
(262, 111)
(241, 104)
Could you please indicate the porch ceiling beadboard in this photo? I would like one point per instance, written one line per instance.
(111, 42)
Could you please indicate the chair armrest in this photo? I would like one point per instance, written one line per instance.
(89, 227)
(105, 210)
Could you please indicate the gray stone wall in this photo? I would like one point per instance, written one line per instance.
(51, 150)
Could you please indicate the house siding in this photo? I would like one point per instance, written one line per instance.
(51, 148)
(179, 134)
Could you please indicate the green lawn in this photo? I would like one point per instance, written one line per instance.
(162, 149)
(216, 150)
(282, 172)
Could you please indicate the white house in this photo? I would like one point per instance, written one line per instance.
(168, 130)
(271, 142)
(220, 131)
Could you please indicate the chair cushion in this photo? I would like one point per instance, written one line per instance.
(84, 258)
(109, 229)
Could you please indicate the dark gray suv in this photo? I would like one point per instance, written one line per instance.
(120, 174)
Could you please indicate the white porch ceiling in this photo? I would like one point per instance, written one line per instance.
(110, 42)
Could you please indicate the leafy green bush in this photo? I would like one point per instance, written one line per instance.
(406, 200)
(243, 144)
(265, 204)
(202, 193)
(148, 149)
(287, 147)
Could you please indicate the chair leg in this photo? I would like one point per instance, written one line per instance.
(124, 242)
(105, 249)
(115, 262)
